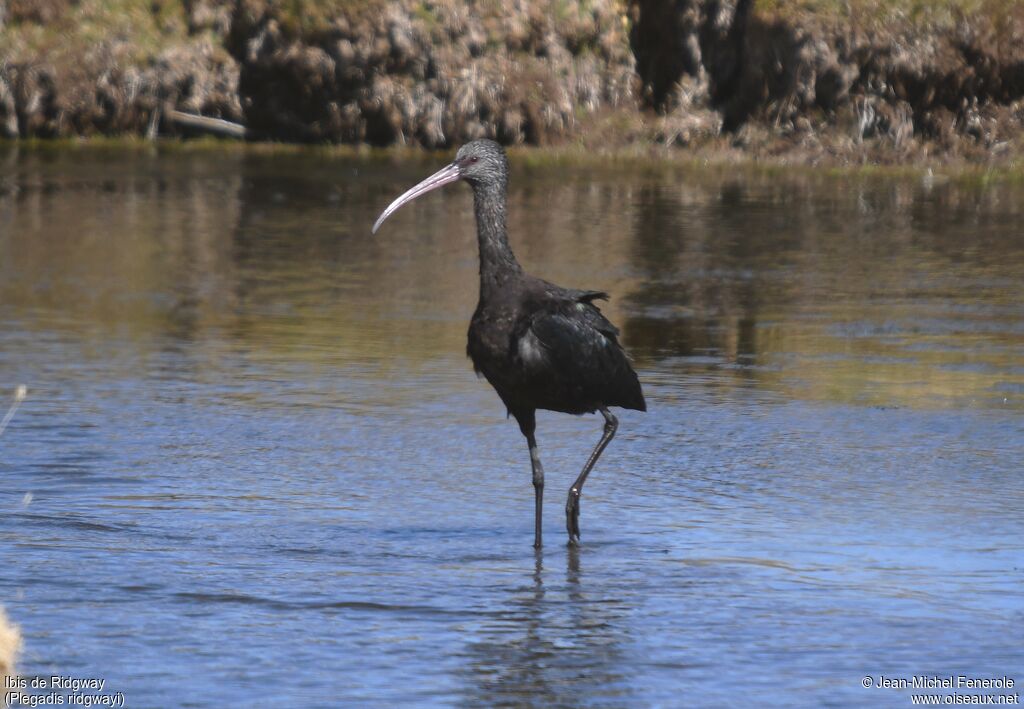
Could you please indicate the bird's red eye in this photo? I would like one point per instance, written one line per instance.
(473, 159)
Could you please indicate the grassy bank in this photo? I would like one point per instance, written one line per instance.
(651, 158)
(814, 82)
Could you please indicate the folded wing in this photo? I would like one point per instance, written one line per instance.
(572, 344)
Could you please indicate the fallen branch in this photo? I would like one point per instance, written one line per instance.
(217, 126)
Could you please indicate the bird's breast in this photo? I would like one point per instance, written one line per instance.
(489, 340)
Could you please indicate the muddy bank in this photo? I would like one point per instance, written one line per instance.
(431, 74)
(812, 81)
(111, 67)
(871, 81)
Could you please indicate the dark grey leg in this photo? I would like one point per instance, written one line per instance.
(572, 505)
(527, 424)
(538, 492)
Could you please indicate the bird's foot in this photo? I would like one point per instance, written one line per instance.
(572, 516)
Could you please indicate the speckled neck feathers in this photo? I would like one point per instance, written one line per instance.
(497, 262)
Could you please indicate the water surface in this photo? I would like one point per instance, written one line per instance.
(255, 463)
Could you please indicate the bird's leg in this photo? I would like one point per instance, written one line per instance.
(538, 492)
(572, 505)
(527, 424)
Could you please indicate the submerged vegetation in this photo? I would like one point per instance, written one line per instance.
(833, 81)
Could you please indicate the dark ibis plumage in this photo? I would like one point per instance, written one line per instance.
(540, 346)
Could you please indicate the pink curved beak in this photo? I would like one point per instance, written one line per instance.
(442, 177)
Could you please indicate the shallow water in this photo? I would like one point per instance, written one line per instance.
(255, 465)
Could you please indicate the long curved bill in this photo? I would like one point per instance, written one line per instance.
(442, 177)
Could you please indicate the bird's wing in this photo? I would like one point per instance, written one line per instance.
(580, 304)
(588, 296)
(580, 347)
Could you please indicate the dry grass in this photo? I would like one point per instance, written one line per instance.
(110, 66)
(146, 27)
(881, 14)
(310, 19)
(434, 73)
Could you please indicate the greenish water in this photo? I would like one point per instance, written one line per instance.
(255, 465)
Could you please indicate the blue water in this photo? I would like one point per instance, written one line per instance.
(255, 468)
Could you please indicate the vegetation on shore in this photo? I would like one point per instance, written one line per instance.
(810, 81)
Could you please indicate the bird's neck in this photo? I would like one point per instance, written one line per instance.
(497, 262)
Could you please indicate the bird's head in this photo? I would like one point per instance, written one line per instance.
(481, 163)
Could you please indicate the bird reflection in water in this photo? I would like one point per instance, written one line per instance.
(552, 644)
